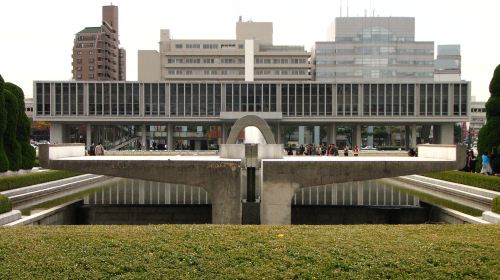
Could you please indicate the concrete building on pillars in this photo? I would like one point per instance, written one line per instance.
(96, 52)
(190, 92)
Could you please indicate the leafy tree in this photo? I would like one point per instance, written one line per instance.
(489, 135)
(4, 161)
(23, 129)
(12, 147)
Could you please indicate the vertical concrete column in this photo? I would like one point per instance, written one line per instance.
(316, 139)
(224, 187)
(301, 135)
(369, 137)
(276, 203)
(249, 60)
(170, 137)
(143, 137)
(278, 134)
(357, 135)
(88, 131)
(446, 133)
(332, 133)
(56, 133)
(224, 133)
(407, 136)
(413, 142)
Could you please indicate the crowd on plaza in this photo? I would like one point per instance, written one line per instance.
(320, 150)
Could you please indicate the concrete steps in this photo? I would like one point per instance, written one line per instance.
(478, 195)
(30, 192)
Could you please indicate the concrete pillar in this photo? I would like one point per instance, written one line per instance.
(413, 141)
(332, 133)
(56, 133)
(224, 133)
(301, 135)
(316, 139)
(357, 135)
(88, 131)
(143, 137)
(278, 134)
(407, 137)
(369, 137)
(446, 133)
(276, 203)
(170, 137)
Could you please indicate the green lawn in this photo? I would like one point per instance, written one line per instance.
(19, 181)
(471, 179)
(251, 252)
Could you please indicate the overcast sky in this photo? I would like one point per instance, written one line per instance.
(36, 37)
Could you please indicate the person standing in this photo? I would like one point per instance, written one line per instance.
(99, 150)
(346, 150)
(335, 151)
(92, 149)
(486, 169)
(355, 150)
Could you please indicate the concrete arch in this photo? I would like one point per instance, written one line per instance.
(251, 120)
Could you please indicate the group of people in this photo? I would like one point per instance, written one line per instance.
(96, 150)
(486, 162)
(320, 150)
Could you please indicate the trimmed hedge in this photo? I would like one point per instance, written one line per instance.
(470, 179)
(251, 252)
(5, 205)
(14, 182)
(495, 205)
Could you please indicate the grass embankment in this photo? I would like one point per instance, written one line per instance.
(466, 178)
(19, 181)
(250, 252)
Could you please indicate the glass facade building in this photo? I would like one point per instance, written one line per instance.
(187, 110)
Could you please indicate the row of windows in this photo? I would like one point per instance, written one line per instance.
(373, 73)
(205, 72)
(280, 60)
(206, 60)
(369, 61)
(297, 99)
(376, 50)
(208, 46)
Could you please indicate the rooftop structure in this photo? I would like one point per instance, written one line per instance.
(249, 57)
(374, 49)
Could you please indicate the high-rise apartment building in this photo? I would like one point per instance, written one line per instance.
(374, 49)
(251, 57)
(96, 51)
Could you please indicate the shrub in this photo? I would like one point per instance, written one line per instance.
(5, 204)
(13, 182)
(4, 162)
(23, 128)
(470, 179)
(12, 147)
(489, 135)
(495, 205)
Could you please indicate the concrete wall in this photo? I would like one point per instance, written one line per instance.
(65, 214)
(149, 66)
(144, 214)
(327, 215)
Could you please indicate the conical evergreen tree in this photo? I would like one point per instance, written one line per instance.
(12, 147)
(23, 129)
(489, 135)
(4, 161)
